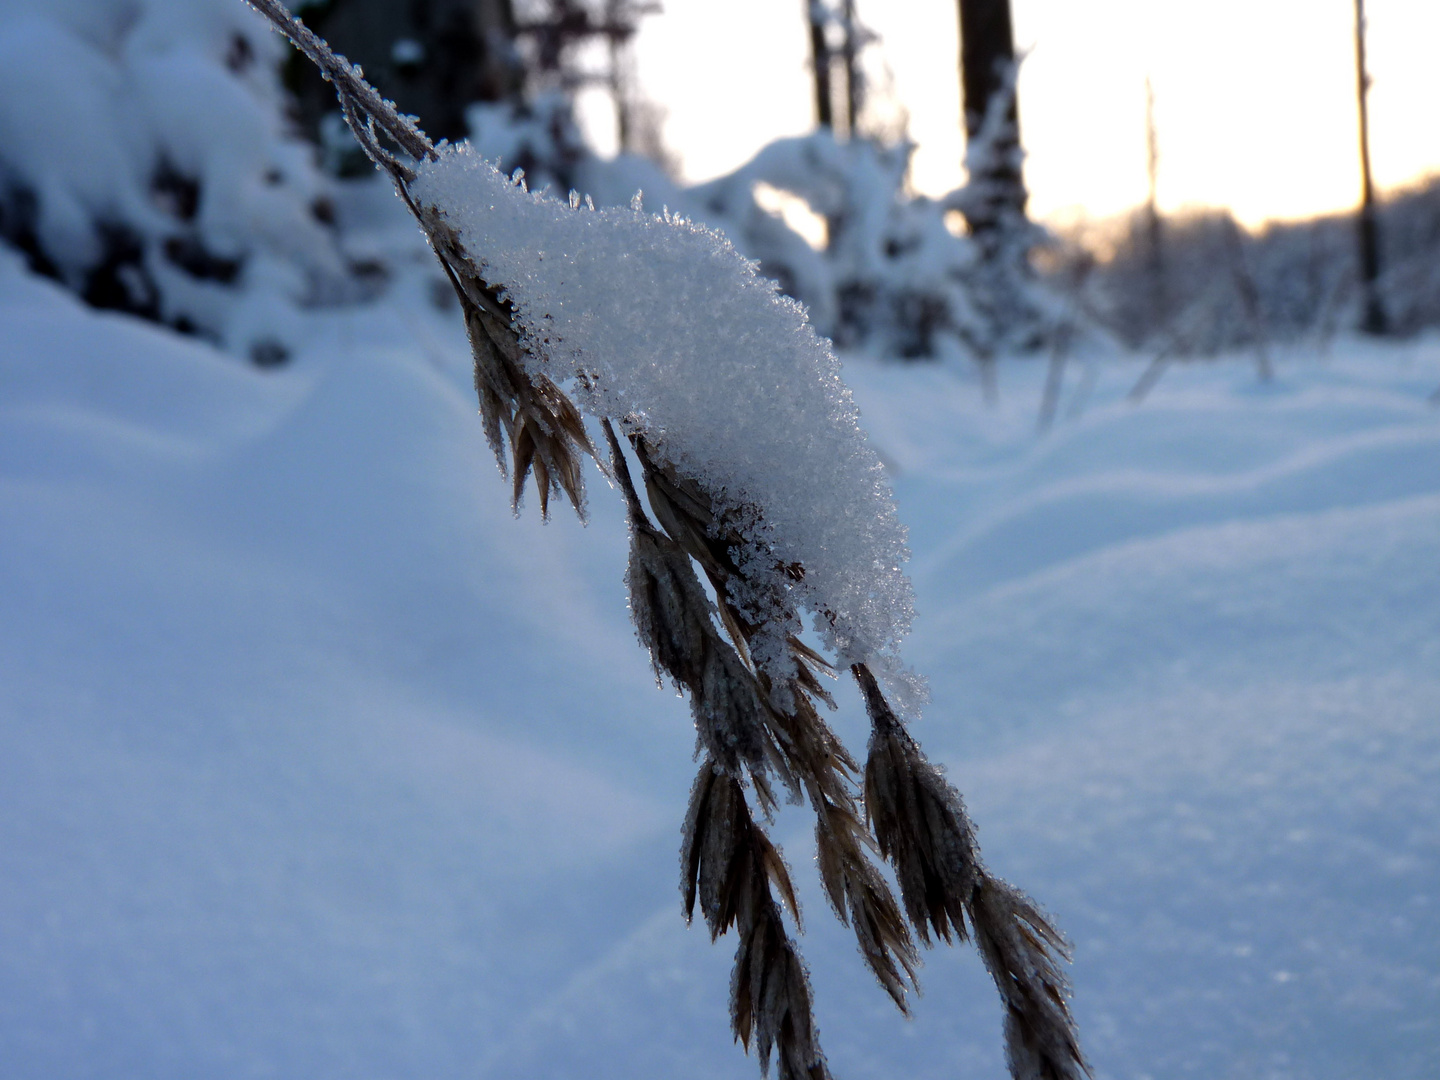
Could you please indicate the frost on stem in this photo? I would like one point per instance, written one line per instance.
(756, 475)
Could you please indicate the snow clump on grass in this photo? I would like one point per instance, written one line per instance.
(661, 321)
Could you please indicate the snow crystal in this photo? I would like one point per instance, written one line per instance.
(678, 333)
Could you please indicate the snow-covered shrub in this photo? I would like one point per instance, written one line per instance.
(757, 476)
(890, 274)
(146, 162)
(893, 275)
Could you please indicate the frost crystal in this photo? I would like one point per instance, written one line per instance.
(662, 322)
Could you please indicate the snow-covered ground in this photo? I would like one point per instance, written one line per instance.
(315, 763)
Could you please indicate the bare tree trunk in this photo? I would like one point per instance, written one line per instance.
(619, 91)
(850, 55)
(1373, 319)
(820, 63)
(1154, 235)
(987, 59)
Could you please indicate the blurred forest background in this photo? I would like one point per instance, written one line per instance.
(834, 216)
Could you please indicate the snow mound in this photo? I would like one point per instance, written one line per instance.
(147, 162)
(314, 762)
(661, 321)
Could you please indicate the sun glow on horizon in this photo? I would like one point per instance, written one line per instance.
(1254, 99)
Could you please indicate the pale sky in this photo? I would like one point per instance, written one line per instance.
(1255, 103)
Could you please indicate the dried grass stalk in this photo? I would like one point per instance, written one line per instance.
(673, 617)
(753, 695)
(920, 823)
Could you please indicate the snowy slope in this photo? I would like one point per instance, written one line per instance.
(1195, 648)
(315, 763)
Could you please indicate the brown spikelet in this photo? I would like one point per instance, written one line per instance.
(542, 486)
(490, 397)
(770, 1003)
(919, 821)
(672, 616)
(724, 850)
(861, 899)
(922, 828)
(730, 866)
(541, 425)
(1023, 953)
(522, 453)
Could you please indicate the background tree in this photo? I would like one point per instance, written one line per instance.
(1154, 229)
(436, 58)
(987, 73)
(432, 57)
(555, 37)
(853, 40)
(1372, 319)
(837, 38)
(819, 19)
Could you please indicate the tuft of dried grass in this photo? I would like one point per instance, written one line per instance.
(754, 699)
